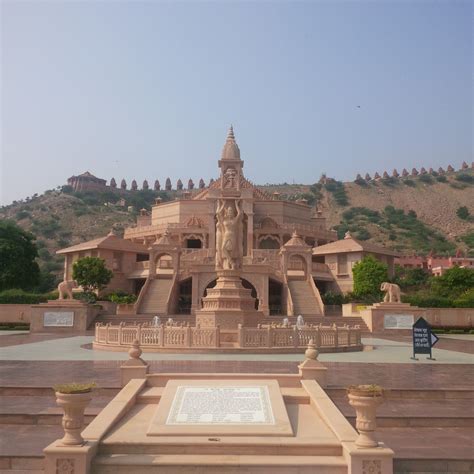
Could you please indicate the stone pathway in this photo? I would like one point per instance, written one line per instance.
(392, 351)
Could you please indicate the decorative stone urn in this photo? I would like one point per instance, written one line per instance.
(74, 405)
(365, 399)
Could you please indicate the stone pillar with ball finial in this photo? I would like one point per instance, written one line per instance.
(135, 367)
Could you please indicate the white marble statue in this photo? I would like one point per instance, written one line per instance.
(156, 321)
(299, 322)
(229, 242)
(392, 292)
(286, 322)
(65, 289)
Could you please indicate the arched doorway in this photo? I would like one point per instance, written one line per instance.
(269, 242)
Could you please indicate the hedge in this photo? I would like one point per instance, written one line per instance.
(16, 296)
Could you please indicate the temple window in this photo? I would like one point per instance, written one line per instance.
(193, 243)
(142, 257)
(342, 264)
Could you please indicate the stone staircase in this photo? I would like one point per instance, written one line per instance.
(304, 300)
(155, 300)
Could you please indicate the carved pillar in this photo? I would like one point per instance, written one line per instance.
(195, 293)
(212, 226)
(249, 233)
(264, 296)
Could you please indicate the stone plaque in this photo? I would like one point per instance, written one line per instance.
(58, 319)
(226, 405)
(398, 321)
(237, 407)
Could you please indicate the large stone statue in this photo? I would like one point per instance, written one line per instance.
(65, 289)
(229, 233)
(392, 292)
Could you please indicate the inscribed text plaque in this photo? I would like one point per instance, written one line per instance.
(227, 405)
(58, 319)
(398, 321)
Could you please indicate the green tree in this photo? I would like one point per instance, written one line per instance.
(368, 275)
(410, 277)
(463, 213)
(91, 273)
(18, 267)
(453, 282)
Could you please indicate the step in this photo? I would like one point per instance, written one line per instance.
(222, 446)
(217, 464)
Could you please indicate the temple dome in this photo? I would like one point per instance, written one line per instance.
(231, 149)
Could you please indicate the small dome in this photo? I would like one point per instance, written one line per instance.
(231, 149)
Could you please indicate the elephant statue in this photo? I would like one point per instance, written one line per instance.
(65, 289)
(392, 292)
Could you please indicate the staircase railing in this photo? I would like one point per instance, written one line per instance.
(141, 296)
(316, 293)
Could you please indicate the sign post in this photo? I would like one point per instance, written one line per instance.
(423, 339)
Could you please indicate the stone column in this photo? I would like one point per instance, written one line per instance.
(195, 293)
(264, 296)
(249, 232)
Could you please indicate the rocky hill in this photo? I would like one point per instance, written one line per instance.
(414, 214)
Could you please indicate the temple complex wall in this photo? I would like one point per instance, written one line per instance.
(179, 211)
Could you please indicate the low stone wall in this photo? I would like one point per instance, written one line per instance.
(450, 317)
(461, 318)
(329, 338)
(15, 313)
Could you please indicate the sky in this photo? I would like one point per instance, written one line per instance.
(146, 90)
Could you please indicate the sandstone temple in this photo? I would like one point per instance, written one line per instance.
(269, 256)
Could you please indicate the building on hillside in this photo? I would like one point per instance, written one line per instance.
(169, 257)
(436, 265)
(341, 256)
(87, 182)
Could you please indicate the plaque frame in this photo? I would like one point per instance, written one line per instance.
(281, 426)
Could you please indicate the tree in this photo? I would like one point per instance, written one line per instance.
(410, 277)
(453, 282)
(91, 273)
(368, 275)
(463, 213)
(18, 267)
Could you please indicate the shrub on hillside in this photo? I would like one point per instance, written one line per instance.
(465, 178)
(409, 182)
(441, 179)
(426, 178)
(463, 213)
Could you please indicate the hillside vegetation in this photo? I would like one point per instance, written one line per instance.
(410, 215)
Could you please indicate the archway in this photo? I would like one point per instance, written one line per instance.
(297, 263)
(269, 242)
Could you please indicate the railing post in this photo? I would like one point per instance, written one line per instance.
(269, 336)
(162, 335)
(139, 333)
(317, 340)
(96, 335)
(296, 337)
(120, 334)
(240, 335)
(187, 336)
(107, 333)
(336, 336)
(218, 335)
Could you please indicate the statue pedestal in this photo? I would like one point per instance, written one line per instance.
(382, 317)
(228, 304)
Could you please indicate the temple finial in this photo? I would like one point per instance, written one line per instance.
(231, 133)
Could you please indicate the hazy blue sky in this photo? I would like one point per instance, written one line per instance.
(148, 89)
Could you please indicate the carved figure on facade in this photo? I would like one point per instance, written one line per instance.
(392, 292)
(230, 178)
(229, 233)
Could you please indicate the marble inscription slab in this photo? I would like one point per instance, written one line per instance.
(221, 405)
(398, 321)
(58, 319)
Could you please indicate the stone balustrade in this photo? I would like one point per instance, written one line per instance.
(330, 338)
(319, 267)
(156, 337)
